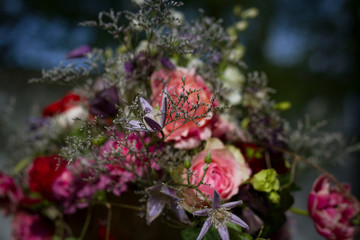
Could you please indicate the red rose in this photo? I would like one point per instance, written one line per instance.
(61, 105)
(42, 174)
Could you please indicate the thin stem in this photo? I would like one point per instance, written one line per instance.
(299, 211)
(87, 222)
(108, 226)
(300, 158)
(267, 159)
(121, 205)
(292, 176)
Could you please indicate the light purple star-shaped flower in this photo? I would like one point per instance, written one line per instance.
(154, 119)
(219, 216)
(161, 196)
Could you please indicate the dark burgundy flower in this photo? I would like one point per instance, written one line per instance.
(105, 102)
(255, 157)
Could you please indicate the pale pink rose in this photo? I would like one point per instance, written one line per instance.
(191, 134)
(10, 194)
(226, 172)
(26, 226)
(226, 130)
(331, 211)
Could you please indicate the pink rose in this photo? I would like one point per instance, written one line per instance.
(226, 172)
(26, 226)
(331, 211)
(226, 130)
(10, 194)
(191, 134)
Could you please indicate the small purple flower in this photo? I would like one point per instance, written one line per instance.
(161, 196)
(105, 102)
(154, 119)
(129, 67)
(78, 52)
(219, 216)
(166, 62)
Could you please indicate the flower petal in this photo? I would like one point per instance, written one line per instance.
(78, 52)
(163, 109)
(216, 201)
(179, 211)
(204, 229)
(136, 126)
(235, 219)
(202, 212)
(223, 232)
(154, 209)
(146, 105)
(153, 124)
(232, 204)
(169, 191)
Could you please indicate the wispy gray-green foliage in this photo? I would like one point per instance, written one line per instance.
(312, 141)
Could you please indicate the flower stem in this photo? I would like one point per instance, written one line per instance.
(108, 226)
(87, 223)
(299, 211)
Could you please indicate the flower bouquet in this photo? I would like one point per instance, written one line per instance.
(168, 136)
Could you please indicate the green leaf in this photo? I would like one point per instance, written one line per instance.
(235, 232)
(193, 233)
(21, 165)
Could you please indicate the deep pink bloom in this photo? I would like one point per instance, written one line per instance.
(10, 194)
(26, 226)
(331, 211)
(117, 152)
(76, 186)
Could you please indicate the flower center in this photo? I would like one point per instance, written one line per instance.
(220, 217)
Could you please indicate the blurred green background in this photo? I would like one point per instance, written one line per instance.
(309, 49)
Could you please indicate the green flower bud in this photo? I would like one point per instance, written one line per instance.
(274, 197)
(187, 163)
(250, 13)
(241, 25)
(237, 11)
(208, 158)
(282, 106)
(99, 140)
(266, 181)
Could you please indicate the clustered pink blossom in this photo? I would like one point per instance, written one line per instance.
(10, 194)
(331, 210)
(26, 226)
